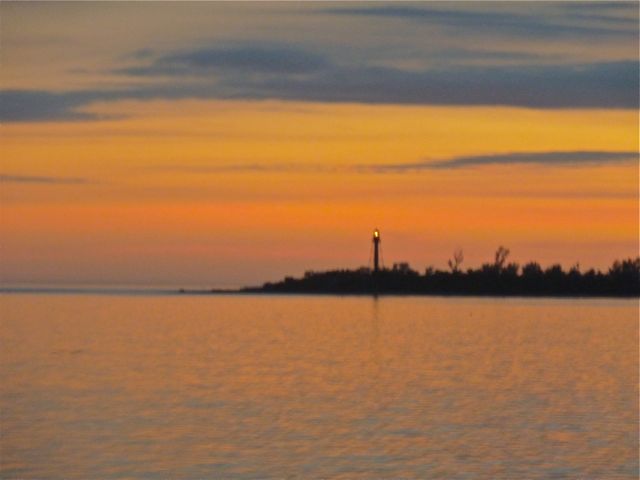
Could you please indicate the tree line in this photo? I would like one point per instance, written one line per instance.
(498, 277)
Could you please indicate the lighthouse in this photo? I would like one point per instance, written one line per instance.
(376, 250)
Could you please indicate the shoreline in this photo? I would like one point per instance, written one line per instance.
(407, 294)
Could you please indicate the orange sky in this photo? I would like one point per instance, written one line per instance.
(200, 191)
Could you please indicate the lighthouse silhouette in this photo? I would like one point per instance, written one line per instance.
(376, 250)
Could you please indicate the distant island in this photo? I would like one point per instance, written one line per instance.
(498, 278)
(622, 280)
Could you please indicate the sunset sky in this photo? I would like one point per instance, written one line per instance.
(235, 143)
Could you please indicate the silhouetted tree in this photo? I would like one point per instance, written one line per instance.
(501, 256)
(625, 275)
(456, 261)
(629, 267)
(511, 270)
(532, 270)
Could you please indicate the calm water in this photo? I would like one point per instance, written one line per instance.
(186, 387)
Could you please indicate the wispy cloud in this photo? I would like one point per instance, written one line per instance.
(548, 159)
(571, 158)
(43, 180)
(607, 12)
(252, 168)
(552, 23)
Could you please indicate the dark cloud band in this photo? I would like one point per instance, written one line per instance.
(288, 73)
(563, 158)
(42, 180)
(571, 158)
(248, 59)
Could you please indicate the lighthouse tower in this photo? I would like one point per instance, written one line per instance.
(376, 250)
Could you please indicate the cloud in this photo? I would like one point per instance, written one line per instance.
(41, 105)
(543, 23)
(44, 180)
(286, 73)
(627, 11)
(571, 158)
(459, 55)
(598, 85)
(280, 60)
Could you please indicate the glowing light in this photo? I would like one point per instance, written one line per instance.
(376, 233)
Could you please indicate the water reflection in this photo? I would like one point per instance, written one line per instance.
(317, 387)
(376, 352)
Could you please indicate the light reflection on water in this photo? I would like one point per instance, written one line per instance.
(317, 387)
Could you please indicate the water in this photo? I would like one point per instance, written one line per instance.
(186, 387)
